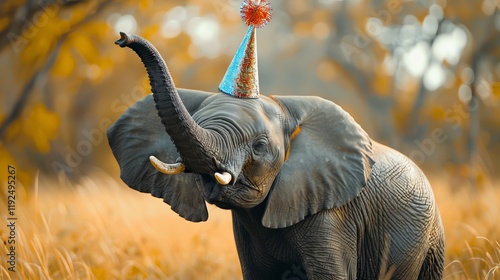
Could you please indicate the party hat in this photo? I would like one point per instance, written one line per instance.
(242, 76)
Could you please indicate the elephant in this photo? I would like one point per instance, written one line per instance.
(310, 194)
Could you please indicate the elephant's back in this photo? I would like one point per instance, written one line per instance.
(400, 186)
(395, 175)
(402, 212)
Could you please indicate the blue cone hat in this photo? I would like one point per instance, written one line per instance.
(242, 76)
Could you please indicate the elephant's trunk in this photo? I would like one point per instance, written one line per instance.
(194, 143)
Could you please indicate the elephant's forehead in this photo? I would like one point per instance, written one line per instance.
(223, 104)
(226, 101)
(246, 112)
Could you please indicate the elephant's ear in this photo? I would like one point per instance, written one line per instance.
(139, 134)
(329, 162)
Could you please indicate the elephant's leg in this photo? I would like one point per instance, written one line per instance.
(256, 263)
(328, 246)
(433, 265)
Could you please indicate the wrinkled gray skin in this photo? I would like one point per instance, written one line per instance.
(311, 197)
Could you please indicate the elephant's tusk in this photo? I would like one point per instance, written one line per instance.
(169, 169)
(223, 178)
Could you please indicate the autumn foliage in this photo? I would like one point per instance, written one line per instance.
(99, 229)
(420, 76)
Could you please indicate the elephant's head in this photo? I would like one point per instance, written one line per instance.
(297, 155)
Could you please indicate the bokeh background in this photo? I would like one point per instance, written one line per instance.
(422, 76)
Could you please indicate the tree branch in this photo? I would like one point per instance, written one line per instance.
(473, 104)
(341, 20)
(22, 15)
(28, 89)
(421, 95)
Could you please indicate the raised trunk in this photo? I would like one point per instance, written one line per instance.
(194, 143)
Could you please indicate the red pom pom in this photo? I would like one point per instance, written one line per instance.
(256, 12)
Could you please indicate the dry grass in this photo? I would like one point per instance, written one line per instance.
(102, 230)
(471, 220)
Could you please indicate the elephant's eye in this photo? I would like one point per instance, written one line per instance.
(260, 146)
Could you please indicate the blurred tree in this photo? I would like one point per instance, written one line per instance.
(41, 35)
(60, 53)
(398, 54)
(420, 75)
(41, 49)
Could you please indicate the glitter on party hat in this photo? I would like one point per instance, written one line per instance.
(242, 77)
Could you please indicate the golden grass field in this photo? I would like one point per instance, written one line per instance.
(100, 229)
